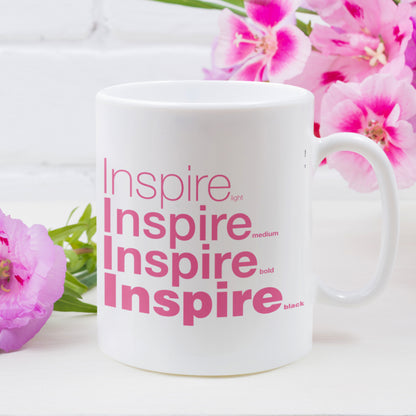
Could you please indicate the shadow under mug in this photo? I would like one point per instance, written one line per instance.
(203, 192)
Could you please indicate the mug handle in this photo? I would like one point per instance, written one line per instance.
(389, 199)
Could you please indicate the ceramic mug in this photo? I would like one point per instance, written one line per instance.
(203, 224)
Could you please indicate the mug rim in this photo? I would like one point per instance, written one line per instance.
(293, 95)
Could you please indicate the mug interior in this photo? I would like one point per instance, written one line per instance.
(205, 93)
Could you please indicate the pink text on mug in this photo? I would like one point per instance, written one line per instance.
(175, 265)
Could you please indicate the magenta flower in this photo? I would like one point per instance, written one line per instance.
(366, 35)
(32, 275)
(381, 108)
(265, 47)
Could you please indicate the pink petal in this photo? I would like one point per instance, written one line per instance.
(396, 29)
(398, 69)
(269, 13)
(316, 65)
(327, 40)
(335, 13)
(354, 10)
(355, 70)
(332, 42)
(387, 98)
(339, 94)
(403, 160)
(252, 70)
(382, 92)
(38, 281)
(405, 97)
(355, 170)
(216, 73)
(393, 118)
(314, 77)
(227, 51)
(377, 13)
(293, 50)
(343, 116)
(12, 339)
(401, 152)
(402, 135)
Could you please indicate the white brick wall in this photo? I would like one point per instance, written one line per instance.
(47, 95)
(54, 57)
(56, 54)
(143, 21)
(31, 20)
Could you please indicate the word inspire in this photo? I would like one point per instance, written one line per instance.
(176, 265)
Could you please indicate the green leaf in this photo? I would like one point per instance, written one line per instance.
(306, 11)
(306, 28)
(68, 303)
(92, 228)
(86, 215)
(238, 3)
(88, 279)
(72, 283)
(239, 9)
(76, 262)
(84, 219)
(203, 5)
(61, 234)
(70, 215)
(91, 264)
(81, 261)
(71, 292)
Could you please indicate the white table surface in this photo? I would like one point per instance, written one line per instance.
(363, 361)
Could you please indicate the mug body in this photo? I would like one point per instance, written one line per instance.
(203, 225)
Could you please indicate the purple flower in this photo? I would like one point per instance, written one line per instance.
(411, 47)
(265, 47)
(32, 275)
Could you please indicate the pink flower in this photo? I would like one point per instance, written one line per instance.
(321, 71)
(32, 275)
(381, 108)
(217, 73)
(366, 35)
(331, 11)
(265, 47)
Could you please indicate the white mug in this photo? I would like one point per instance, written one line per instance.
(203, 224)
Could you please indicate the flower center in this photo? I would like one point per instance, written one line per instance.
(377, 55)
(5, 266)
(266, 44)
(376, 132)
